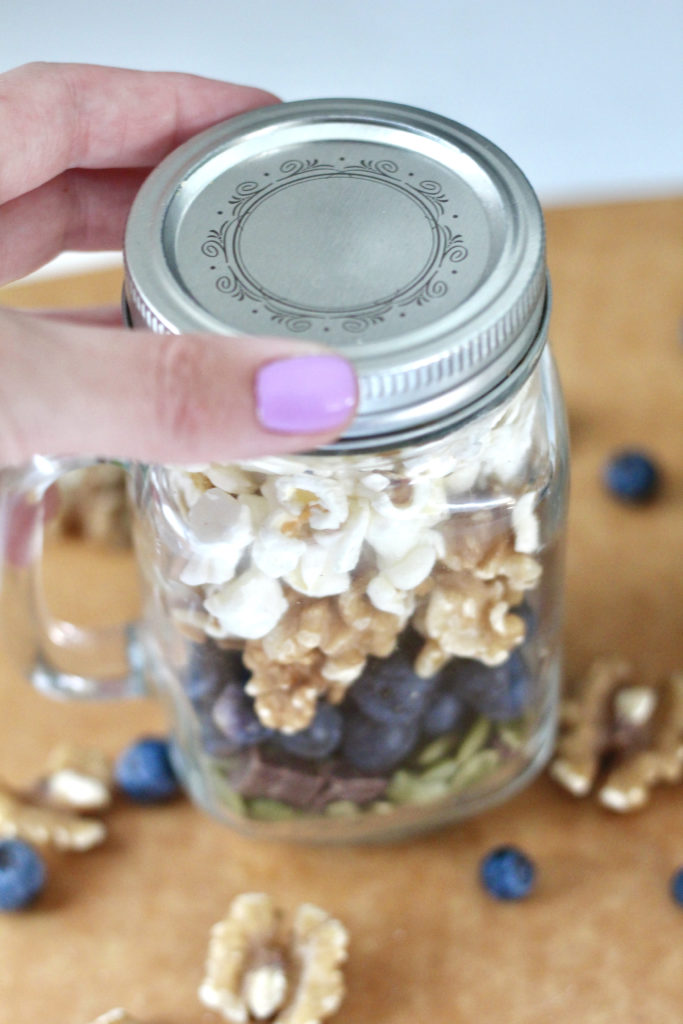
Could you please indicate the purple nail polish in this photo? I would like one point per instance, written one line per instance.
(305, 394)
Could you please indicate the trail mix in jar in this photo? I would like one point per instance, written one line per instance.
(359, 626)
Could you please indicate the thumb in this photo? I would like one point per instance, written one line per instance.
(79, 390)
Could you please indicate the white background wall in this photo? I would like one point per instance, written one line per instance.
(586, 95)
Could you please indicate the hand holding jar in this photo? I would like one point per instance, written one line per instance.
(361, 640)
(78, 141)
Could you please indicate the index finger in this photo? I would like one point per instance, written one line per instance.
(57, 116)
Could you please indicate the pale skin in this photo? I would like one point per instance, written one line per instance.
(77, 142)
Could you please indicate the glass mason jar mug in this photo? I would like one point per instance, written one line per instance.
(361, 641)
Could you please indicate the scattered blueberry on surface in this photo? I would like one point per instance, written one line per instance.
(501, 693)
(632, 476)
(234, 715)
(676, 887)
(372, 746)
(507, 873)
(22, 874)
(320, 738)
(389, 691)
(144, 771)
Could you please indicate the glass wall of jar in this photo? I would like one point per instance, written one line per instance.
(363, 645)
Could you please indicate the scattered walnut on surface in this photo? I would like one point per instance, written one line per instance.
(623, 737)
(585, 719)
(258, 970)
(23, 818)
(318, 948)
(628, 785)
(77, 778)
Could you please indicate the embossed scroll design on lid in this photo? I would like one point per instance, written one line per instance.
(235, 280)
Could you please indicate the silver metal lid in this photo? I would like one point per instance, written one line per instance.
(403, 240)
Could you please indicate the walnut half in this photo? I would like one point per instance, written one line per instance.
(258, 970)
(22, 818)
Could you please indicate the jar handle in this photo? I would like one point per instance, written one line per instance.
(61, 659)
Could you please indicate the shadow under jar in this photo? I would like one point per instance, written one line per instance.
(362, 641)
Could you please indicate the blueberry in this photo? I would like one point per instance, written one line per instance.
(144, 771)
(234, 716)
(445, 711)
(632, 476)
(213, 742)
(22, 874)
(372, 746)
(389, 691)
(209, 669)
(676, 887)
(507, 873)
(320, 738)
(500, 693)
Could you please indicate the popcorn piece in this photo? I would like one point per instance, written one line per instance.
(215, 567)
(463, 478)
(248, 606)
(24, 819)
(586, 721)
(214, 516)
(232, 479)
(315, 577)
(373, 483)
(77, 778)
(423, 500)
(392, 539)
(320, 502)
(258, 508)
(257, 971)
(274, 551)
(388, 598)
(187, 487)
(413, 568)
(525, 524)
(504, 444)
(222, 530)
(344, 545)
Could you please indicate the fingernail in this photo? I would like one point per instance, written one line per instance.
(306, 394)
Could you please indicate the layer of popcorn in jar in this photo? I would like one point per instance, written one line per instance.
(361, 641)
